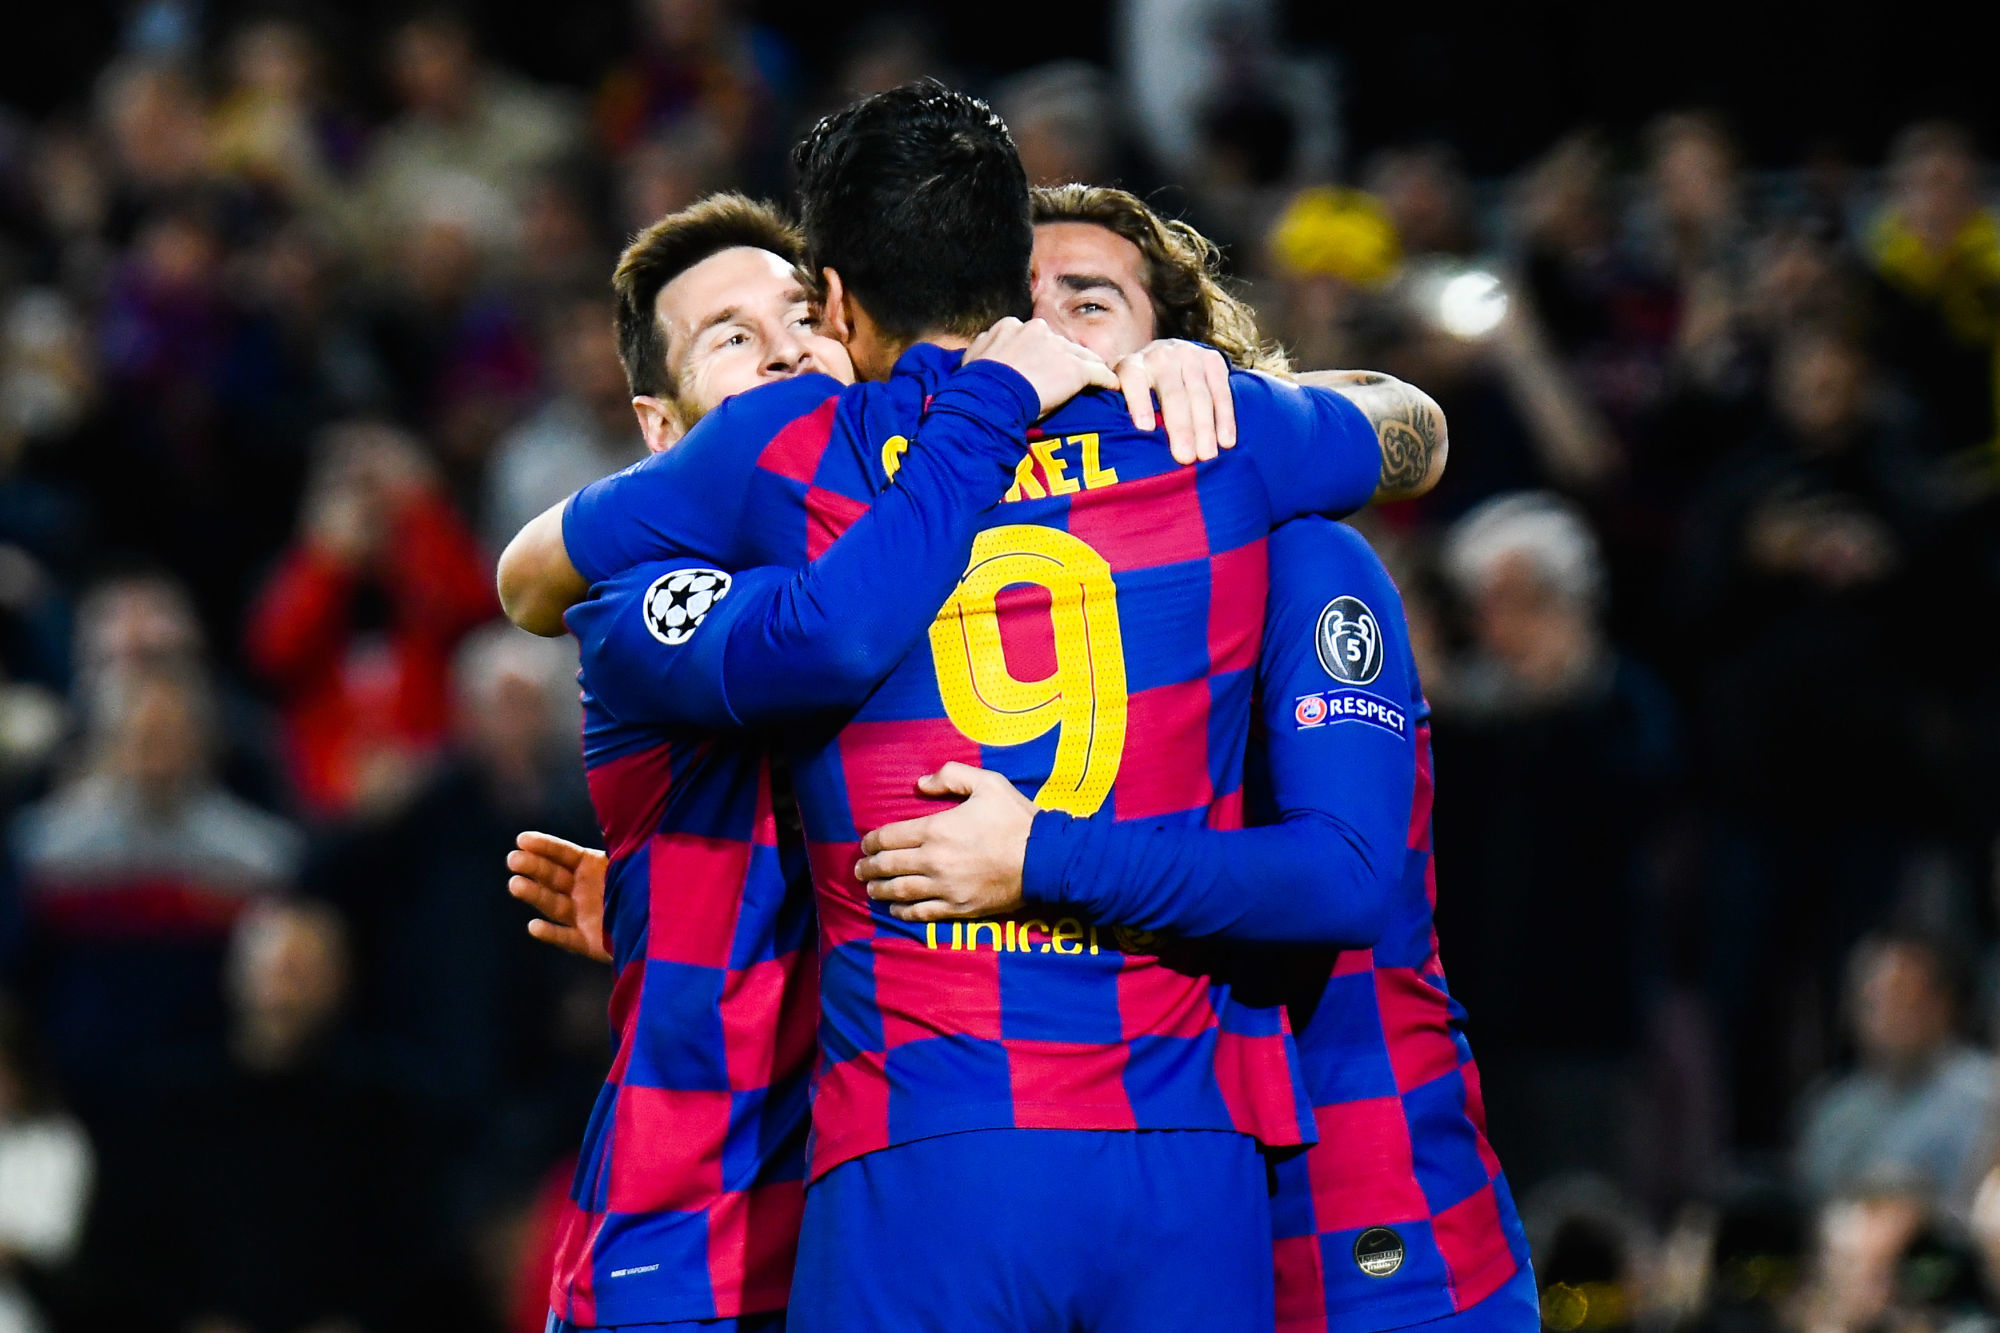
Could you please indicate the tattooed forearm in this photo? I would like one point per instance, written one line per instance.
(1413, 438)
(1409, 425)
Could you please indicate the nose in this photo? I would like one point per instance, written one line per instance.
(786, 352)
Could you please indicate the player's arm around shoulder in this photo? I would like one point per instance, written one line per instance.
(1331, 451)
(1409, 425)
(653, 639)
(646, 511)
(537, 581)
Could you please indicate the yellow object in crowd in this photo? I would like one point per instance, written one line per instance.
(1332, 232)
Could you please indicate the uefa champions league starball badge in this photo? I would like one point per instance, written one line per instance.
(677, 603)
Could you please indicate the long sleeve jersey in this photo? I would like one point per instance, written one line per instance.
(1097, 651)
(1400, 1212)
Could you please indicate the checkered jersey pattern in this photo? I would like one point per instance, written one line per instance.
(688, 1193)
(1402, 1143)
(1402, 1133)
(1099, 651)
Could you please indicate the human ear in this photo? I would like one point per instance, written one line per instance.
(658, 422)
(836, 319)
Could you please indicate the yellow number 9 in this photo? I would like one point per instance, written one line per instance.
(1085, 696)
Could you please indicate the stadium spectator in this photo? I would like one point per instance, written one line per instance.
(470, 133)
(46, 1171)
(451, 339)
(1935, 252)
(166, 336)
(276, 127)
(699, 66)
(448, 978)
(157, 128)
(142, 621)
(1808, 540)
(272, 1185)
(496, 1041)
(1917, 1112)
(48, 397)
(1332, 254)
(1563, 754)
(1428, 197)
(1692, 224)
(1064, 122)
(583, 432)
(355, 628)
(132, 875)
(1608, 316)
(563, 251)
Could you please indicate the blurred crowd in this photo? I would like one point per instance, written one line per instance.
(295, 332)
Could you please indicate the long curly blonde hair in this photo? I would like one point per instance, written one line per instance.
(1183, 272)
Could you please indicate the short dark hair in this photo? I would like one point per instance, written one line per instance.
(917, 198)
(669, 248)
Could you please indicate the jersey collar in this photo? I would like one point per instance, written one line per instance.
(927, 363)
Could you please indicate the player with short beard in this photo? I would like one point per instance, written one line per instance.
(800, 453)
(1099, 263)
(1400, 1214)
(710, 303)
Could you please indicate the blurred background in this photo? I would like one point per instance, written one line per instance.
(304, 310)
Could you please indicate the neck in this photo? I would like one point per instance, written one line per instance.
(877, 361)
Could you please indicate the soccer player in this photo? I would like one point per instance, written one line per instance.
(710, 303)
(701, 1223)
(1110, 272)
(903, 1077)
(1399, 1214)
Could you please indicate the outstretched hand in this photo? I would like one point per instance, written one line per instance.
(565, 883)
(962, 862)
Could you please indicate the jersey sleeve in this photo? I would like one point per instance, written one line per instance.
(690, 499)
(1336, 690)
(680, 642)
(1315, 451)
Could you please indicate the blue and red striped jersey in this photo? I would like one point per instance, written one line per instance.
(1098, 652)
(1400, 1213)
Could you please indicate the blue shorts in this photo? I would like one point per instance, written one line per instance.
(1019, 1230)
(773, 1322)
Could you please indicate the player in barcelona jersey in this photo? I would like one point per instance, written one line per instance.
(1111, 274)
(1399, 1214)
(676, 1216)
(1048, 1024)
(687, 1198)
